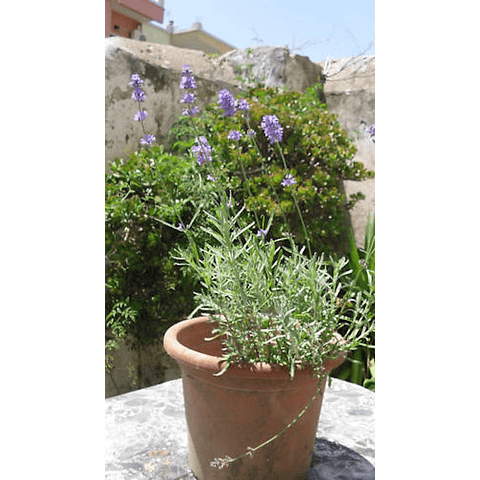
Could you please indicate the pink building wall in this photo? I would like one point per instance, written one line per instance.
(126, 24)
(145, 7)
(108, 17)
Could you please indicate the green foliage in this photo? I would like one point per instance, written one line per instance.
(274, 304)
(146, 292)
(357, 368)
(317, 151)
(370, 381)
(120, 318)
(117, 324)
(362, 261)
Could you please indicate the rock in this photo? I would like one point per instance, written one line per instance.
(349, 91)
(275, 67)
(333, 461)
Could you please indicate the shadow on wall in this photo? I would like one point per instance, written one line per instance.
(135, 369)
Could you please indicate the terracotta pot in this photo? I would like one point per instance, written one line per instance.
(243, 407)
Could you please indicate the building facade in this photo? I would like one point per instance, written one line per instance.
(125, 18)
(195, 38)
(141, 19)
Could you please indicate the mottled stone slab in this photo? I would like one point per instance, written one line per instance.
(145, 434)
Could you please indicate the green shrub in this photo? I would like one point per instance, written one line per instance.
(358, 367)
(317, 150)
(146, 292)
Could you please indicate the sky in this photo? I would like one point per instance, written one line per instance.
(315, 28)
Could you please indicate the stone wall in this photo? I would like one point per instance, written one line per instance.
(134, 369)
(350, 93)
(161, 68)
(274, 67)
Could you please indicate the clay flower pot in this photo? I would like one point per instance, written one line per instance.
(242, 408)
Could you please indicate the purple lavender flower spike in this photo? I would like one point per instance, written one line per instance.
(243, 105)
(138, 94)
(234, 135)
(202, 151)
(227, 102)
(188, 80)
(272, 128)
(140, 116)
(190, 112)
(188, 98)
(288, 180)
(136, 81)
(147, 139)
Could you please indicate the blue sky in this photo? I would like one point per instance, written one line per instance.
(334, 29)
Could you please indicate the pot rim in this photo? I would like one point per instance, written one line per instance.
(213, 364)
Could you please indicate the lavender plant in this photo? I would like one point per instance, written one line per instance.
(139, 95)
(271, 300)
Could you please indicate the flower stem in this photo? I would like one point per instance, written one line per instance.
(270, 184)
(225, 461)
(247, 184)
(307, 238)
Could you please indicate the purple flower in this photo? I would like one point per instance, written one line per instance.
(188, 98)
(250, 133)
(243, 105)
(202, 151)
(147, 139)
(136, 81)
(288, 180)
(138, 94)
(372, 133)
(209, 177)
(261, 233)
(272, 128)
(190, 112)
(140, 116)
(188, 80)
(234, 135)
(227, 102)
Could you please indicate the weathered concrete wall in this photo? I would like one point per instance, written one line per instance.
(350, 93)
(161, 68)
(274, 67)
(134, 369)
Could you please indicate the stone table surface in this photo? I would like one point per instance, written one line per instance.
(145, 433)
